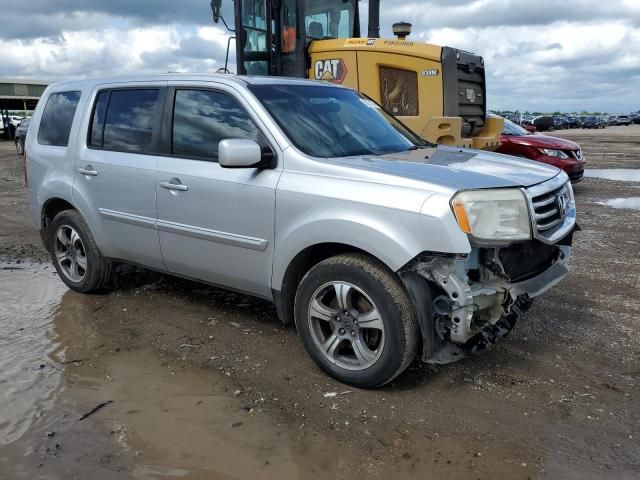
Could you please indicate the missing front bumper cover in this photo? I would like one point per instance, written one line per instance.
(460, 315)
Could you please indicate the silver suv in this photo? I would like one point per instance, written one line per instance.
(378, 245)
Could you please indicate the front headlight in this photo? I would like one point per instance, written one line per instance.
(493, 214)
(553, 153)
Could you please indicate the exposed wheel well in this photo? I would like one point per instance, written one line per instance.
(297, 269)
(51, 208)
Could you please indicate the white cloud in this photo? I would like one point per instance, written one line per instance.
(566, 66)
(112, 51)
(540, 55)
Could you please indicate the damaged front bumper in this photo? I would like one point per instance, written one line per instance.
(466, 303)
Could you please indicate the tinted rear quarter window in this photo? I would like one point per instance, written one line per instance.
(127, 122)
(57, 118)
(203, 118)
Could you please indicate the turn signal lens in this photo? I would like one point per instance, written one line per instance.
(461, 216)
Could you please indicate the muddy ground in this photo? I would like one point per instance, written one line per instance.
(206, 384)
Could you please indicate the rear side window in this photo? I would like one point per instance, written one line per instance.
(55, 125)
(201, 119)
(123, 120)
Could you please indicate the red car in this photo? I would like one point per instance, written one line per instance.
(555, 151)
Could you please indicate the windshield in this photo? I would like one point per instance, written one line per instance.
(511, 128)
(332, 122)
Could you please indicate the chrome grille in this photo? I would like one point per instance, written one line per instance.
(546, 208)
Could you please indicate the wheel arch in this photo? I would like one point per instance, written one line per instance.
(50, 208)
(292, 262)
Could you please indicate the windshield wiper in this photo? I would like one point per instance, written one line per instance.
(418, 147)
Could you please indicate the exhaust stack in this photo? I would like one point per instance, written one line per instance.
(374, 19)
(402, 30)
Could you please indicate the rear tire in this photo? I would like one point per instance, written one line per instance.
(75, 254)
(356, 320)
(19, 146)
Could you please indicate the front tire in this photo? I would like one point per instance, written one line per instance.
(356, 320)
(75, 254)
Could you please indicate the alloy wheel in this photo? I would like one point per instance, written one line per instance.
(70, 253)
(346, 326)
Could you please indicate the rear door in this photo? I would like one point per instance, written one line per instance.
(215, 224)
(115, 171)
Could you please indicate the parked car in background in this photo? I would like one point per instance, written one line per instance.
(21, 135)
(378, 245)
(636, 119)
(573, 122)
(560, 122)
(513, 117)
(544, 123)
(592, 121)
(526, 120)
(15, 120)
(559, 152)
(623, 120)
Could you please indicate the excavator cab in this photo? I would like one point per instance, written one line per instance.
(282, 49)
(438, 92)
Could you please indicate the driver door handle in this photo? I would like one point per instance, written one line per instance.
(174, 184)
(88, 170)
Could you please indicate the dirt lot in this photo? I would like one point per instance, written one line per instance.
(207, 384)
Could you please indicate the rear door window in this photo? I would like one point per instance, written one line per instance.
(123, 120)
(203, 118)
(57, 118)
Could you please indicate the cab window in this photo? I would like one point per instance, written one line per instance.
(328, 19)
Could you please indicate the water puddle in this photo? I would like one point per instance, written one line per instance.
(617, 174)
(29, 297)
(632, 203)
(163, 421)
(79, 399)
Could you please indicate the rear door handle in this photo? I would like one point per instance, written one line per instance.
(88, 170)
(174, 184)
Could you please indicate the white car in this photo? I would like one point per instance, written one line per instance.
(15, 120)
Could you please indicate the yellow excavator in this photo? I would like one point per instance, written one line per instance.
(438, 92)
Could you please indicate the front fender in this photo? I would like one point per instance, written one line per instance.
(393, 248)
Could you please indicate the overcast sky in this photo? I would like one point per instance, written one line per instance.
(541, 55)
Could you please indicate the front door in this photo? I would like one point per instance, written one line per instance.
(215, 224)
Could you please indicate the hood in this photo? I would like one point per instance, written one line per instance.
(456, 168)
(543, 141)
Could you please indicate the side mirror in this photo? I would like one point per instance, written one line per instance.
(239, 153)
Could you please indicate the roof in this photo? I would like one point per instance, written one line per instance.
(202, 77)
